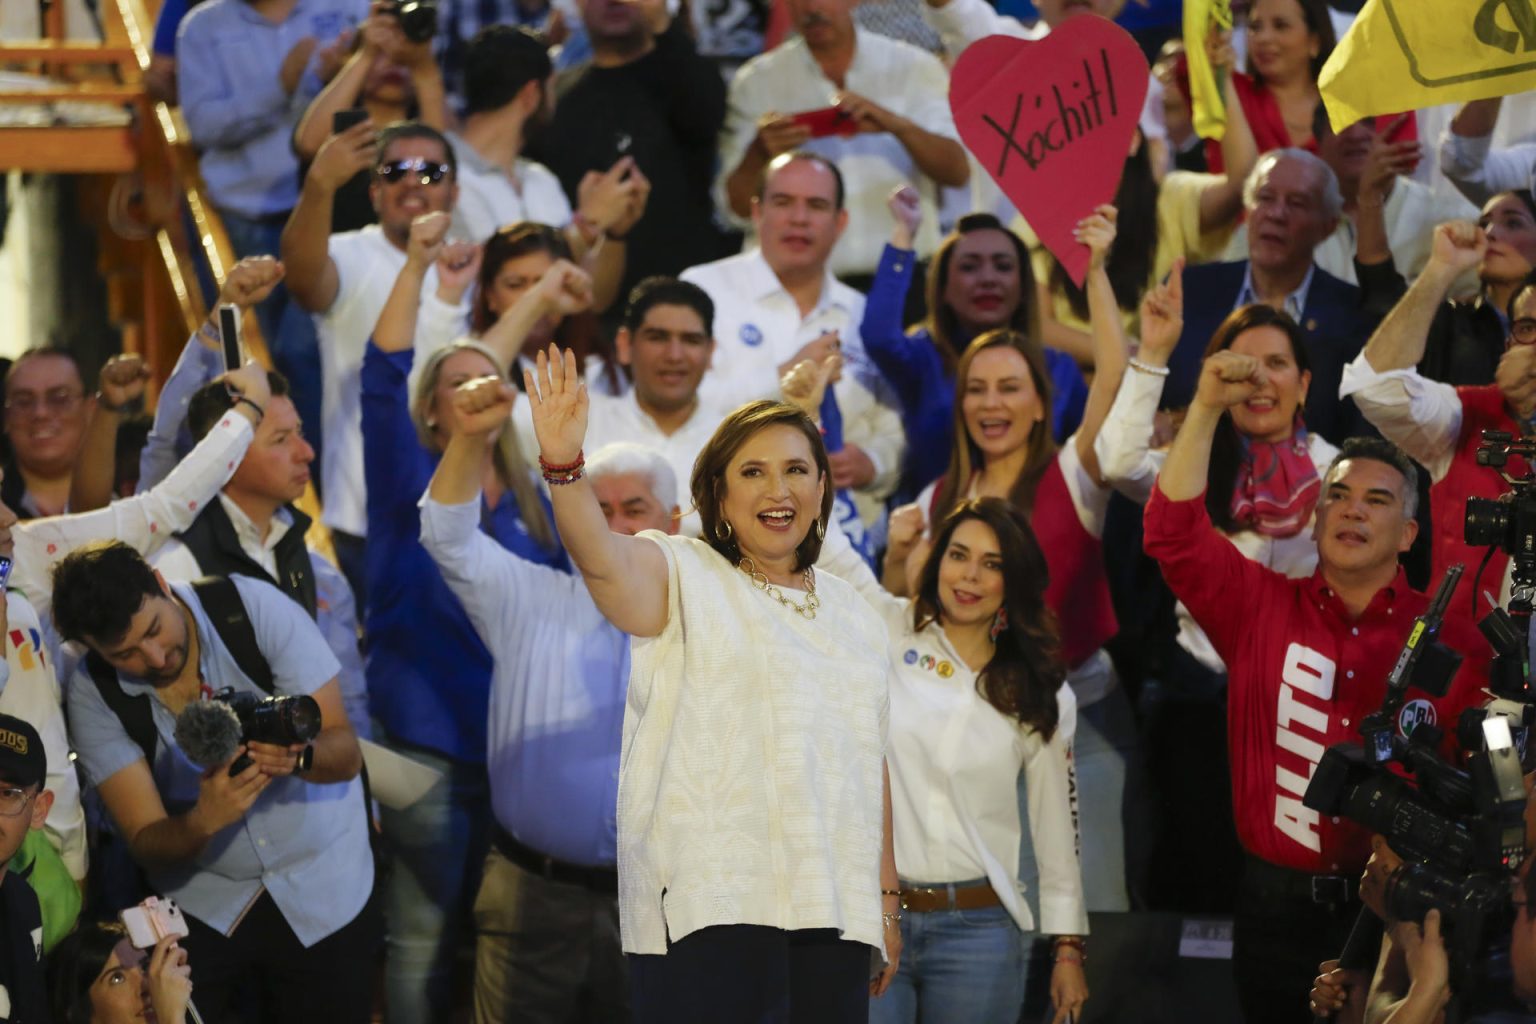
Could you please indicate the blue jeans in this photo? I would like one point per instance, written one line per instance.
(289, 330)
(438, 846)
(957, 967)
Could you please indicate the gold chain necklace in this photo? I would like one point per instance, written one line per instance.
(760, 580)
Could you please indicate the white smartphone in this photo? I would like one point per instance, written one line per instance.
(153, 920)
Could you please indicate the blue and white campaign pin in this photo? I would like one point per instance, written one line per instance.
(751, 335)
(910, 657)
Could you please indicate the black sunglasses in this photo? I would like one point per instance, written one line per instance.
(431, 172)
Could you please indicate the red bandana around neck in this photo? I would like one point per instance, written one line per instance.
(1277, 485)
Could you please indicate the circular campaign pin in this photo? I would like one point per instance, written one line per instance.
(946, 670)
(751, 335)
(910, 657)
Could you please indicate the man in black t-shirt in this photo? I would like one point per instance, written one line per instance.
(647, 94)
(24, 805)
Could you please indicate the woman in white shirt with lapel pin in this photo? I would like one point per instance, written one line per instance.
(978, 695)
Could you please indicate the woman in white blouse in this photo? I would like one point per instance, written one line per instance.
(1003, 448)
(978, 697)
(754, 814)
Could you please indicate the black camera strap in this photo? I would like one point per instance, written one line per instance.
(221, 602)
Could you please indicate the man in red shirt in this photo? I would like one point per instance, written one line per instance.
(1307, 660)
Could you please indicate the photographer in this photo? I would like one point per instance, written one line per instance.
(1307, 662)
(275, 886)
(97, 976)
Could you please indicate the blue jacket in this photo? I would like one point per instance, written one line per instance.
(1336, 329)
(429, 676)
(926, 390)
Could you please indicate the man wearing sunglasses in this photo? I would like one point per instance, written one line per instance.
(1439, 425)
(344, 279)
(24, 804)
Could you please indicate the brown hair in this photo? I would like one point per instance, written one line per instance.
(579, 332)
(707, 484)
(1025, 671)
(1227, 443)
(965, 457)
(942, 325)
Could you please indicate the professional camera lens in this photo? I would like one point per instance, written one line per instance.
(281, 720)
(1487, 522)
(418, 19)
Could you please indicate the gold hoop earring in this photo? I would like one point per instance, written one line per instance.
(724, 530)
(821, 529)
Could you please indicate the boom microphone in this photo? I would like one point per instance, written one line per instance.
(208, 732)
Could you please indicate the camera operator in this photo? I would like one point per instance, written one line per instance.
(1308, 660)
(275, 886)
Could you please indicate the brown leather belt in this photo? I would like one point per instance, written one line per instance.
(970, 897)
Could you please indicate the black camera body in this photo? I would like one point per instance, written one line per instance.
(279, 720)
(1460, 831)
(417, 18)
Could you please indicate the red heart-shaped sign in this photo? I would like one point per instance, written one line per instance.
(1051, 121)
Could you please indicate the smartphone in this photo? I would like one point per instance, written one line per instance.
(5, 572)
(344, 119)
(229, 336)
(827, 121)
(153, 920)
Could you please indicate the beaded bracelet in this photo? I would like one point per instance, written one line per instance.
(568, 473)
(1147, 368)
(1072, 942)
(887, 920)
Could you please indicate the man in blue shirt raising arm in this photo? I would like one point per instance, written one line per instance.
(271, 865)
(547, 912)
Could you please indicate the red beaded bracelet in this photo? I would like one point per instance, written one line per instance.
(551, 467)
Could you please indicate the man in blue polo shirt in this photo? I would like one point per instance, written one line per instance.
(271, 866)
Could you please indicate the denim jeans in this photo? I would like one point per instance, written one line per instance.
(957, 967)
(438, 847)
(289, 330)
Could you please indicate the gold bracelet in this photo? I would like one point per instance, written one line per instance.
(887, 920)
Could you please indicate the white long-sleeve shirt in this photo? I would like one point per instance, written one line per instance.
(144, 522)
(1130, 464)
(955, 762)
(1481, 172)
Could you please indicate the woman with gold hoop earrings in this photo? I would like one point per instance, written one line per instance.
(754, 846)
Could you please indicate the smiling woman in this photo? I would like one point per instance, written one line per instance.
(753, 815)
(1003, 449)
(978, 700)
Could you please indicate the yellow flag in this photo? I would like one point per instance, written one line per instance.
(1410, 54)
(1210, 114)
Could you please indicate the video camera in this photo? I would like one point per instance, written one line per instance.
(1460, 831)
(417, 18)
(209, 732)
